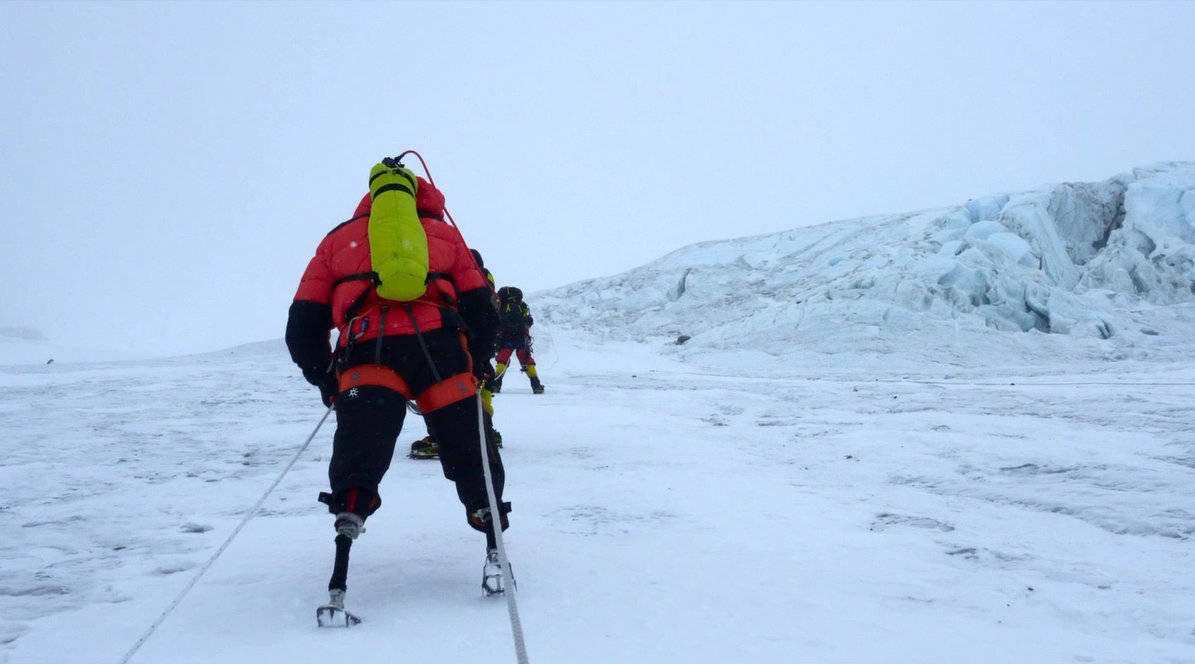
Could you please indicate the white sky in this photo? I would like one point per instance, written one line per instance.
(166, 170)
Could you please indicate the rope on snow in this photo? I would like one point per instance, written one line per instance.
(253, 512)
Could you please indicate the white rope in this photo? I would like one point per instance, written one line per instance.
(253, 512)
(516, 625)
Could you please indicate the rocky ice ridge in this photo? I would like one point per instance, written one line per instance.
(1103, 269)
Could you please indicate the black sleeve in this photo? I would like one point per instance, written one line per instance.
(477, 308)
(527, 315)
(307, 328)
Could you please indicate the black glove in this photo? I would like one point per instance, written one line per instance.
(329, 389)
(328, 384)
(483, 370)
(481, 352)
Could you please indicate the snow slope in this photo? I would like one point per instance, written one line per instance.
(900, 439)
(1109, 264)
(663, 513)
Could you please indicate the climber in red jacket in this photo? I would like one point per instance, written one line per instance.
(433, 350)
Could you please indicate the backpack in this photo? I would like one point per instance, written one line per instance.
(510, 294)
(397, 241)
(511, 310)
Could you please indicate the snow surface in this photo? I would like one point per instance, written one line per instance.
(856, 458)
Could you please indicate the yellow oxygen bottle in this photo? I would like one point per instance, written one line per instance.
(397, 242)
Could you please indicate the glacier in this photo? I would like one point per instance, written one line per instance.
(1109, 265)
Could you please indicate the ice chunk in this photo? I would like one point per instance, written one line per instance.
(1085, 214)
(984, 229)
(1014, 248)
(1028, 216)
(989, 207)
(952, 248)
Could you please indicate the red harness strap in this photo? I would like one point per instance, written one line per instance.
(448, 391)
(451, 389)
(372, 374)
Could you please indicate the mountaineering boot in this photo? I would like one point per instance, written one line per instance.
(533, 375)
(424, 448)
(350, 525)
(495, 381)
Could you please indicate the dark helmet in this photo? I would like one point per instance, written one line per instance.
(510, 294)
(477, 257)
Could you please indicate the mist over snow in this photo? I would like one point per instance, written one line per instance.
(1091, 270)
(29, 345)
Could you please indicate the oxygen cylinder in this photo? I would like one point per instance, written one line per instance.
(397, 242)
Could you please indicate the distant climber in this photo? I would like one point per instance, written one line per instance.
(514, 336)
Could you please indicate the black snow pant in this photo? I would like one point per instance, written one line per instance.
(369, 419)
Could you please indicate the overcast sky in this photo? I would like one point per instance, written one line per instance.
(167, 169)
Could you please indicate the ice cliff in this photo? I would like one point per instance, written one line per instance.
(1099, 268)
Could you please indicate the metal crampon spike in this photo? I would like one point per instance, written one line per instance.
(333, 614)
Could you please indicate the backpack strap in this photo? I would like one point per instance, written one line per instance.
(359, 276)
(393, 186)
(372, 277)
(347, 222)
(432, 277)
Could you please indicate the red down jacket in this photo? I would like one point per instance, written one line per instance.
(334, 281)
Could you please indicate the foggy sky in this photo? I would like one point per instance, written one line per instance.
(167, 170)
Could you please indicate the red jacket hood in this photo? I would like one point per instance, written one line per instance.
(428, 200)
(364, 206)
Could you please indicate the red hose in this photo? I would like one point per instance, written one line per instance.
(428, 173)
